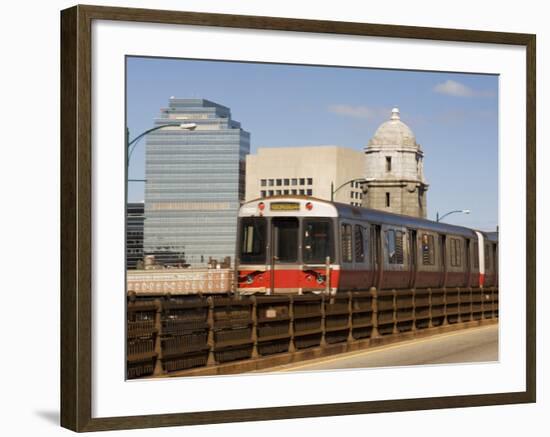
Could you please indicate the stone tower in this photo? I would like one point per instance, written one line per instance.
(394, 170)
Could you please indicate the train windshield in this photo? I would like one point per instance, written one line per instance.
(253, 240)
(318, 241)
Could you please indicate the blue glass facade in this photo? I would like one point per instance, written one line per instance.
(194, 183)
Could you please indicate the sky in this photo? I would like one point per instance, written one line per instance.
(454, 117)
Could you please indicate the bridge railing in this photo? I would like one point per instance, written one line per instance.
(172, 333)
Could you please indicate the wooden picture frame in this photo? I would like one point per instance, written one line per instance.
(76, 217)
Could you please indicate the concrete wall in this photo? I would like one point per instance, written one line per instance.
(323, 164)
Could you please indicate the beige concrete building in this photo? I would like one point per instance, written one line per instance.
(308, 170)
(394, 161)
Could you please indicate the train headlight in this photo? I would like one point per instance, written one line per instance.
(261, 206)
(309, 206)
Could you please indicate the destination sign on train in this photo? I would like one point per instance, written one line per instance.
(285, 206)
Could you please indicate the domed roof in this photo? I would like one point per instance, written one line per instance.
(394, 133)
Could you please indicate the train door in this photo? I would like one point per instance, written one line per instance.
(376, 250)
(285, 237)
(443, 259)
(413, 257)
(468, 261)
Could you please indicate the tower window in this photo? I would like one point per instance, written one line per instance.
(387, 200)
(388, 163)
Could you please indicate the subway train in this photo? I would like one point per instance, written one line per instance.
(297, 244)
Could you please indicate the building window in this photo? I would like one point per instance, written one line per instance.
(310, 181)
(388, 163)
(263, 182)
(456, 252)
(262, 193)
(294, 191)
(270, 182)
(346, 243)
(286, 192)
(279, 182)
(271, 192)
(302, 181)
(428, 250)
(294, 181)
(310, 192)
(278, 192)
(287, 182)
(394, 245)
(352, 195)
(387, 200)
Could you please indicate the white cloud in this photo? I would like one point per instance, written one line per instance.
(457, 89)
(359, 111)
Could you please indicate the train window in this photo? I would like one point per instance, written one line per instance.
(428, 249)
(346, 243)
(394, 243)
(286, 239)
(359, 244)
(253, 240)
(318, 241)
(456, 252)
(476, 255)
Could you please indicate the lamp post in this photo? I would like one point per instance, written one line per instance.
(462, 211)
(131, 145)
(333, 191)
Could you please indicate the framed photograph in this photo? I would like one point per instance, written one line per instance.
(267, 218)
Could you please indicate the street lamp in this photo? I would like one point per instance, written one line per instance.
(463, 211)
(131, 145)
(333, 191)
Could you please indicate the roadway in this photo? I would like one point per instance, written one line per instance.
(464, 346)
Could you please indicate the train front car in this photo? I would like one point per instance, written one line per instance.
(286, 245)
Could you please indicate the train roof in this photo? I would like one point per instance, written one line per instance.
(325, 208)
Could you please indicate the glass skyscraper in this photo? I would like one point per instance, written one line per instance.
(195, 176)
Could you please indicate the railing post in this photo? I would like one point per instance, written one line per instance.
(210, 319)
(374, 294)
(413, 291)
(254, 338)
(291, 345)
(445, 321)
(350, 317)
(158, 345)
(430, 311)
(323, 320)
(395, 331)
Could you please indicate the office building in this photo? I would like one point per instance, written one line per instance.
(307, 170)
(194, 172)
